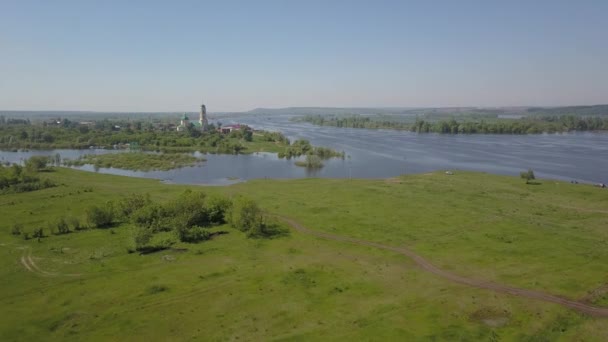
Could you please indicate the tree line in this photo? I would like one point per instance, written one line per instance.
(526, 125)
(16, 178)
(144, 135)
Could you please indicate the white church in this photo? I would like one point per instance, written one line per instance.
(202, 123)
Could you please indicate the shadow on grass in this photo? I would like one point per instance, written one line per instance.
(270, 230)
(218, 233)
(534, 183)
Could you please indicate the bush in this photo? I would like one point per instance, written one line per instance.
(192, 234)
(147, 242)
(36, 163)
(62, 226)
(141, 237)
(100, 217)
(17, 229)
(244, 214)
(132, 203)
(38, 233)
(75, 223)
(152, 216)
(527, 175)
(267, 228)
(217, 209)
(312, 162)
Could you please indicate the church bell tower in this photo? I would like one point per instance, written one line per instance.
(203, 118)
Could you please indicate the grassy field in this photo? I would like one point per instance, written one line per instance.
(550, 237)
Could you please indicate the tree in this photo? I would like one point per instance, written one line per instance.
(36, 163)
(247, 134)
(527, 175)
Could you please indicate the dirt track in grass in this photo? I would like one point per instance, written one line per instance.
(429, 267)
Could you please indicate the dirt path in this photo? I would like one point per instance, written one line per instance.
(427, 266)
(28, 262)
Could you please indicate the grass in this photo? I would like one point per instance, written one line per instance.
(550, 237)
(138, 161)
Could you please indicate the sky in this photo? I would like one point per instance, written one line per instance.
(160, 56)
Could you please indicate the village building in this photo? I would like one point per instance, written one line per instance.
(229, 128)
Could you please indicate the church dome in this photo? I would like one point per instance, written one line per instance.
(185, 117)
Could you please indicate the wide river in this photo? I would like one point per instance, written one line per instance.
(386, 153)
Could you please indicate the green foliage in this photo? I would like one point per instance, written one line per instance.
(275, 137)
(147, 242)
(36, 163)
(60, 227)
(38, 233)
(189, 216)
(14, 179)
(137, 161)
(141, 237)
(75, 224)
(192, 234)
(527, 175)
(17, 229)
(101, 216)
(303, 147)
(131, 203)
(217, 207)
(484, 124)
(244, 214)
(150, 217)
(311, 161)
(105, 134)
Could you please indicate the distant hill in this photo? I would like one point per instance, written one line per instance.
(330, 110)
(595, 110)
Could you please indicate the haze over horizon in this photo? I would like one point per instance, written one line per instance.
(154, 56)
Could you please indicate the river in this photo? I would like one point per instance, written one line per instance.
(387, 153)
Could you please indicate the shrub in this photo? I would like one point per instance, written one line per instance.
(527, 175)
(192, 234)
(62, 226)
(147, 242)
(312, 162)
(151, 217)
(17, 229)
(141, 237)
(244, 214)
(38, 233)
(100, 217)
(132, 203)
(75, 223)
(217, 208)
(156, 289)
(36, 163)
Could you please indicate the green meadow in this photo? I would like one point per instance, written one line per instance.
(549, 237)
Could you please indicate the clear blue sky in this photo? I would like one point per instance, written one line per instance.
(238, 55)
